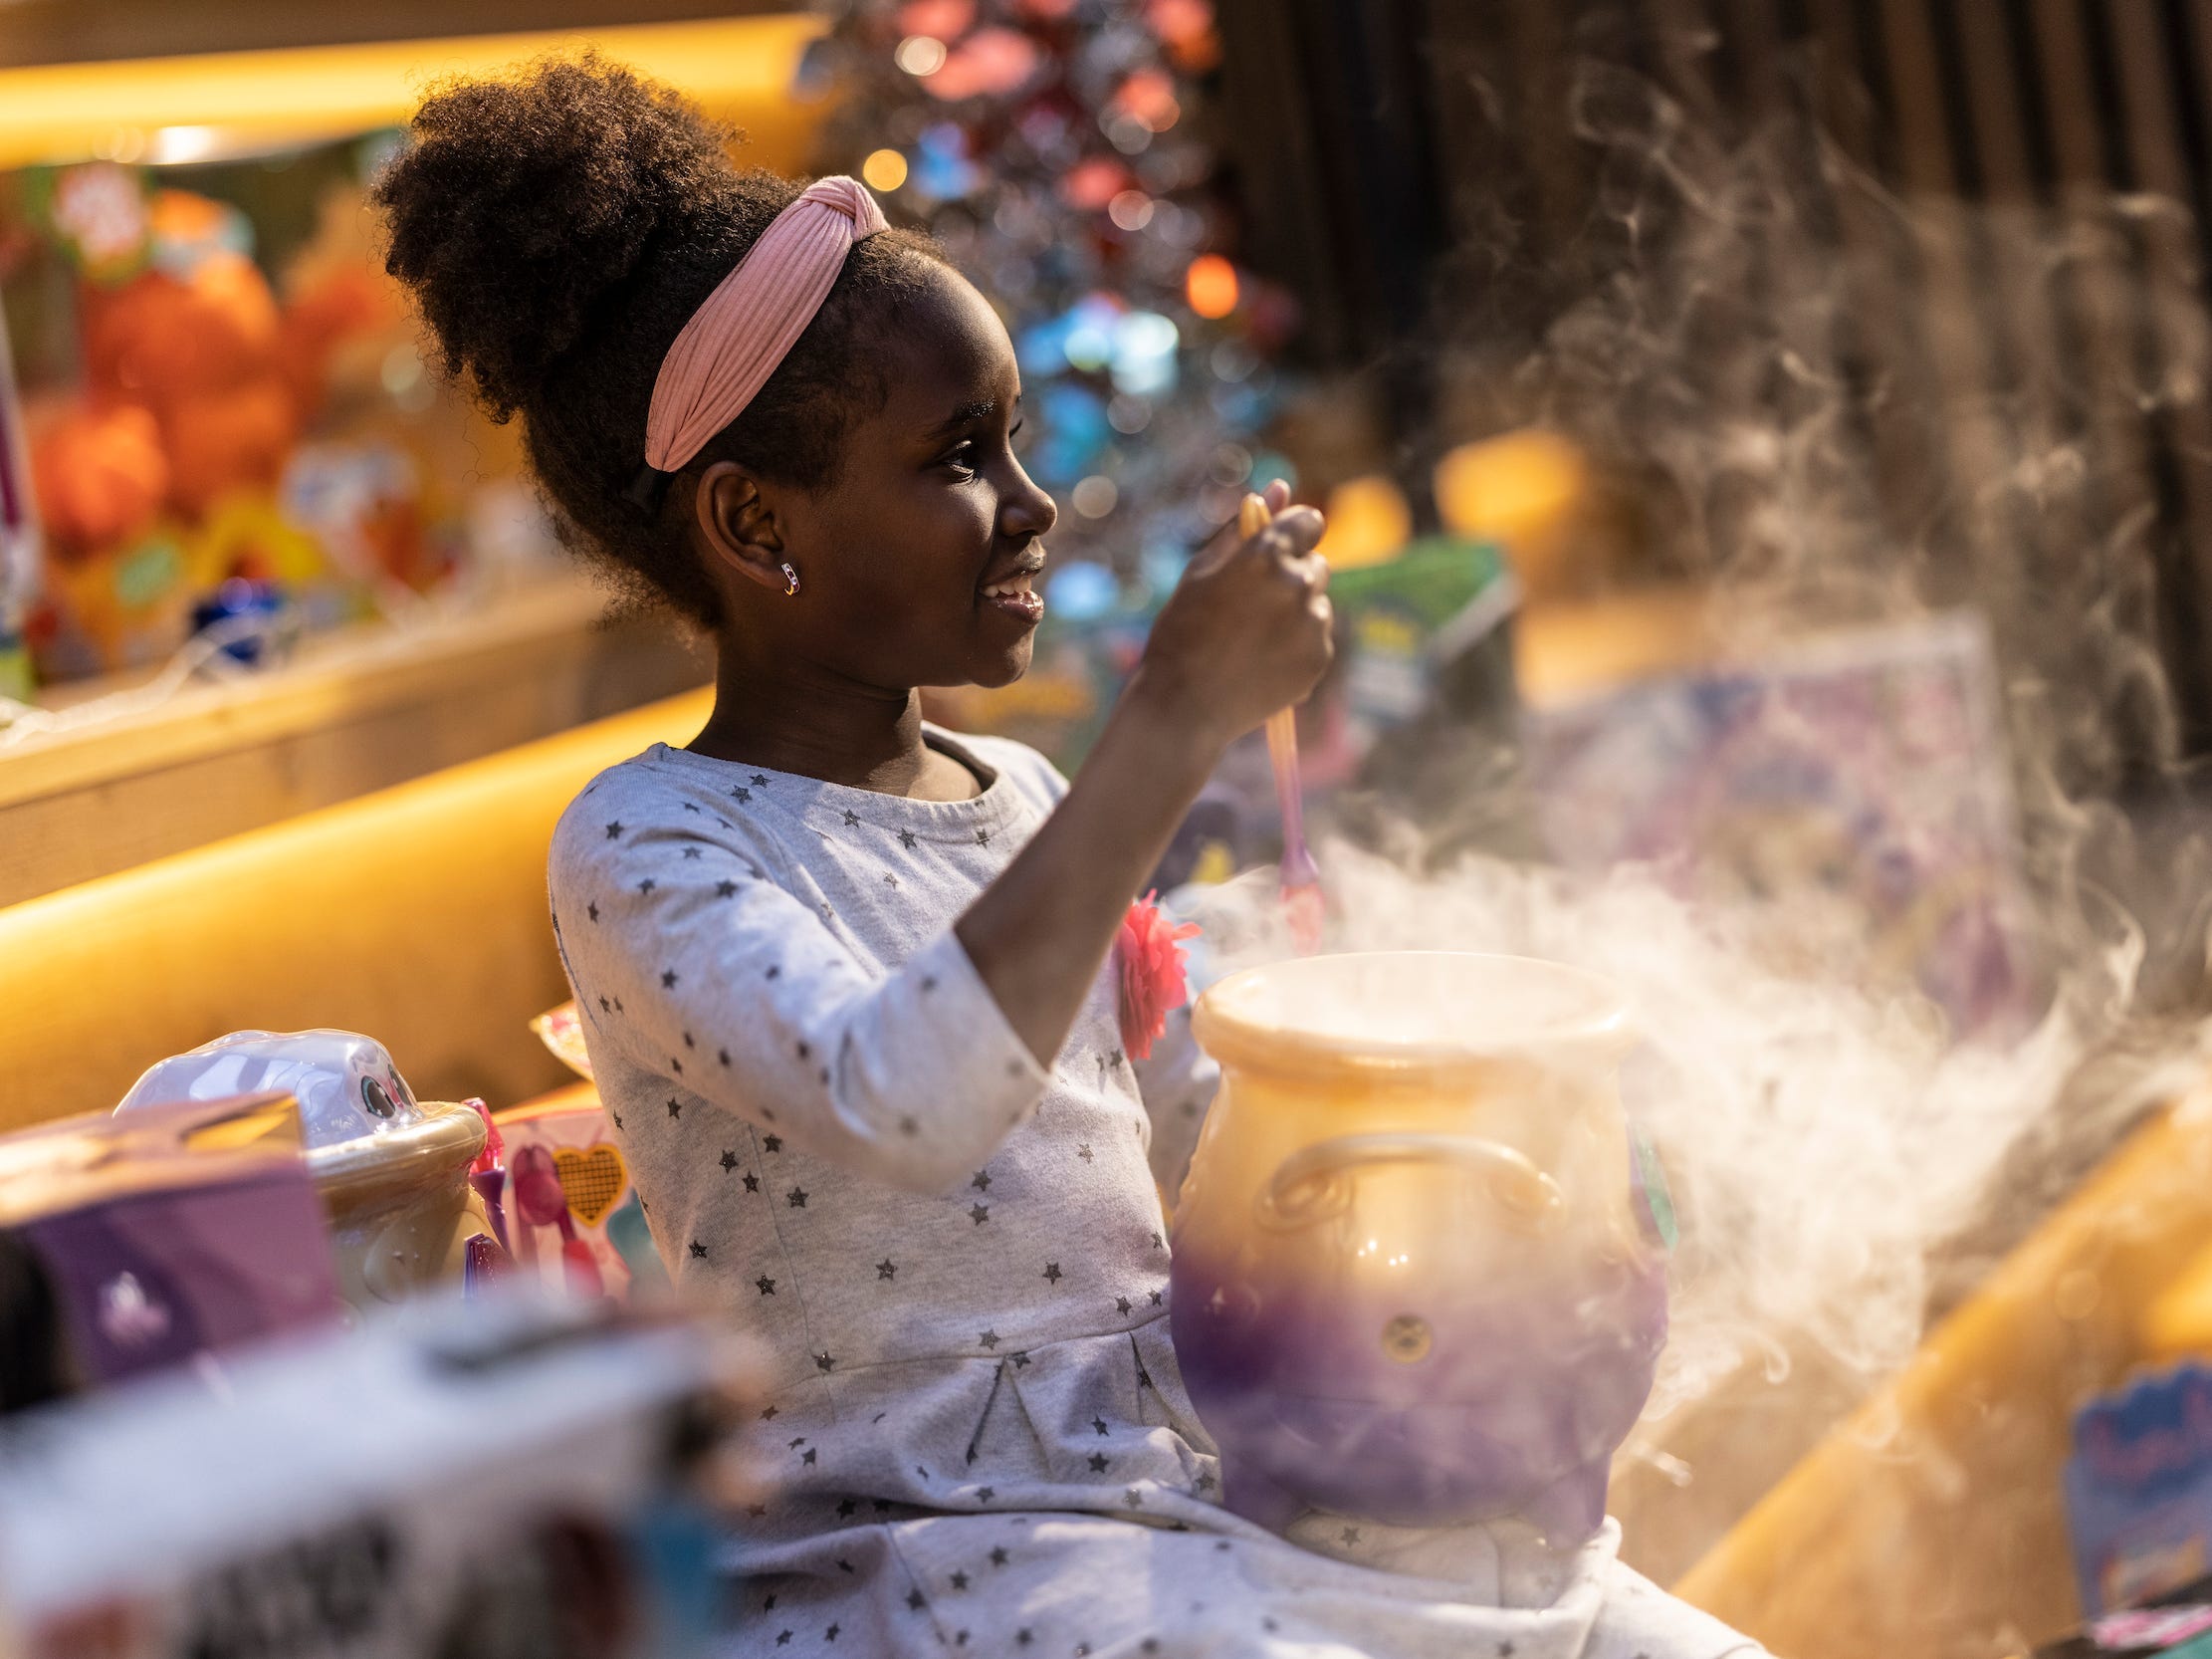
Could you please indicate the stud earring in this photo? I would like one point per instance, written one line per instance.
(791, 581)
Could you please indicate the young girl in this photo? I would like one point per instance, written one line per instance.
(841, 973)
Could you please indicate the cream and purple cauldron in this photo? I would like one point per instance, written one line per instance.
(1415, 1278)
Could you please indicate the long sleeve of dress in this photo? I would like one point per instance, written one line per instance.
(690, 960)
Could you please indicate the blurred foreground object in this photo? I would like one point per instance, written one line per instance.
(458, 1479)
(1930, 1523)
(130, 1244)
(394, 1172)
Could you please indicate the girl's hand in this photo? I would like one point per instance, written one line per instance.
(1247, 633)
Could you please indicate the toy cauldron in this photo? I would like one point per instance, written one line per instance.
(1413, 1280)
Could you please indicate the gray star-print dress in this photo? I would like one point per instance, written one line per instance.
(978, 1438)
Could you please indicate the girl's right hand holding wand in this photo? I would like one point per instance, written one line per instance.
(1248, 632)
(1245, 634)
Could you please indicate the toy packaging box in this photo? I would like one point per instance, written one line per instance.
(570, 1216)
(2138, 1491)
(144, 1242)
(1856, 792)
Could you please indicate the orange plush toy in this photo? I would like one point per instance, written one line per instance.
(222, 440)
(196, 340)
(100, 476)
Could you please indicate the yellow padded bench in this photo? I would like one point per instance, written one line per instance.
(416, 915)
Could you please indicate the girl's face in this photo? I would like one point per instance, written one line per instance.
(920, 566)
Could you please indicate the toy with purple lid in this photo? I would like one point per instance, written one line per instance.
(1415, 1278)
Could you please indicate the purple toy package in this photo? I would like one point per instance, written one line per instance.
(132, 1244)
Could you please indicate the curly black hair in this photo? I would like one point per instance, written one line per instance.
(558, 228)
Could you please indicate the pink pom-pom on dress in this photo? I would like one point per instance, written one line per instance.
(1148, 955)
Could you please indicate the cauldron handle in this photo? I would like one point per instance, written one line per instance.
(1309, 1186)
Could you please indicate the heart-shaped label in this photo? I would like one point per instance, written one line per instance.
(592, 1180)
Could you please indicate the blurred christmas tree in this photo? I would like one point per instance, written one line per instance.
(1057, 148)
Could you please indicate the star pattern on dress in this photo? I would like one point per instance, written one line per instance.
(852, 818)
(796, 1198)
(675, 1108)
(729, 1162)
(697, 1251)
(915, 1600)
(592, 910)
(988, 1339)
(824, 1364)
(979, 1212)
(752, 1182)
(980, 1180)
(960, 1581)
(1052, 1274)
(741, 794)
(1121, 1305)
(772, 1143)
(1098, 1425)
(647, 885)
(906, 840)
(726, 889)
(668, 979)
(767, 1288)
(614, 831)
(1098, 1462)
(759, 780)
(983, 837)
(1084, 1152)
(1000, 1556)
(887, 1269)
(693, 852)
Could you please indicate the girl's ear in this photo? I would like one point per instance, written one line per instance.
(739, 526)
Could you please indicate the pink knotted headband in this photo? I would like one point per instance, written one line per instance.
(756, 314)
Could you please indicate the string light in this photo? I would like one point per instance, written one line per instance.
(1210, 285)
(920, 55)
(884, 170)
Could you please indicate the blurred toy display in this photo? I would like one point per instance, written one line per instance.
(134, 1243)
(1855, 789)
(18, 532)
(466, 1479)
(209, 447)
(1056, 148)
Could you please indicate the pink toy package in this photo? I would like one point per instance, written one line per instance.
(573, 1218)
